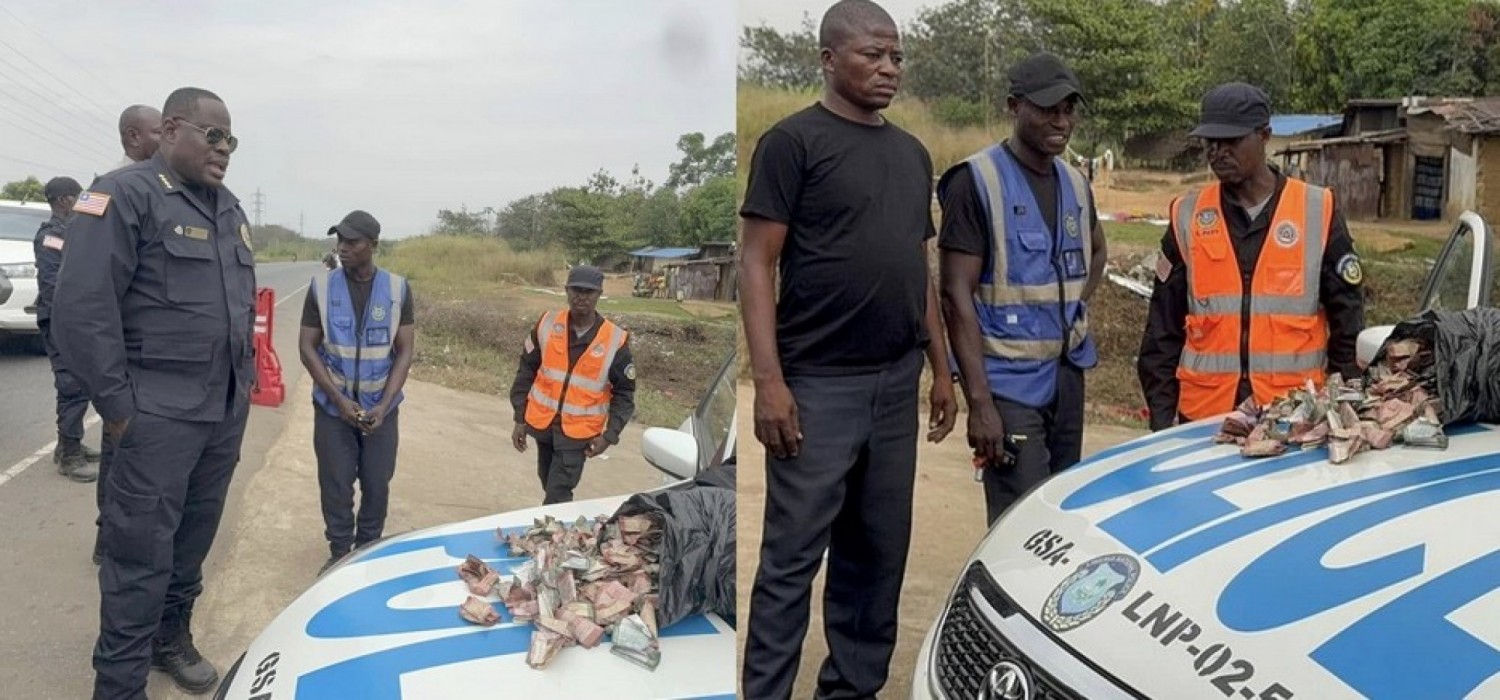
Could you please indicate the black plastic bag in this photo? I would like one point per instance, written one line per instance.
(697, 550)
(1465, 371)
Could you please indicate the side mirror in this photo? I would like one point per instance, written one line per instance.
(1369, 342)
(672, 451)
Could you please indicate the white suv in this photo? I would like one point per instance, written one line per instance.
(19, 222)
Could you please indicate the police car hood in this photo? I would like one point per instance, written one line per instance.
(385, 625)
(1183, 570)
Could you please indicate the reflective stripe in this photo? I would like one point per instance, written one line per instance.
(617, 340)
(1260, 305)
(553, 374)
(1184, 225)
(576, 410)
(1023, 349)
(543, 399)
(1229, 363)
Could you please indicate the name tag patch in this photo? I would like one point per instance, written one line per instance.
(380, 335)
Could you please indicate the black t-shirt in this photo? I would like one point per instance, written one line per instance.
(359, 296)
(857, 202)
(966, 227)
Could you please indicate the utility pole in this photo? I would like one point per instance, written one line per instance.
(302, 223)
(259, 205)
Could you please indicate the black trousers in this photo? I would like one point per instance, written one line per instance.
(559, 464)
(346, 456)
(162, 505)
(1054, 442)
(849, 492)
(72, 400)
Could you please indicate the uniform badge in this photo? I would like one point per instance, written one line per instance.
(245, 235)
(1286, 234)
(1208, 217)
(1070, 224)
(53, 242)
(557, 328)
(1350, 270)
(1097, 584)
(630, 371)
(598, 351)
(528, 346)
(378, 313)
(164, 181)
(1163, 268)
(196, 233)
(92, 203)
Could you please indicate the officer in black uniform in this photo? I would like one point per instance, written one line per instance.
(155, 309)
(71, 456)
(1235, 128)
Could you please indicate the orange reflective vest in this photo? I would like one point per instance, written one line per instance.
(582, 392)
(1287, 339)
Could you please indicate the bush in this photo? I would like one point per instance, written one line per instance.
(464, 260)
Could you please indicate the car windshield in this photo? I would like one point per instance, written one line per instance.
(715, 416)
(18, 224)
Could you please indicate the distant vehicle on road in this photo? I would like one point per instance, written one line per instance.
(19, 222)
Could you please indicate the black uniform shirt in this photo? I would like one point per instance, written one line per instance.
(621, 380)
(155, 303)
(1165, 336)
(48, 247)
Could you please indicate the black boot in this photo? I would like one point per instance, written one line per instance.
(173, 652)
(72, 463)
(91, 454)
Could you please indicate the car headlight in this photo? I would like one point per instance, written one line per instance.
(19, 271)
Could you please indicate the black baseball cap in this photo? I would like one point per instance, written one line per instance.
(586, 277)
(358, 224)
(1232, 110)
(1044, 80)
(61, 187)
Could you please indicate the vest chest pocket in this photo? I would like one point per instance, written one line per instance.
(1030, 262)
(191, 275)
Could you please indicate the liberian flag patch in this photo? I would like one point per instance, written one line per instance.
(93, 203)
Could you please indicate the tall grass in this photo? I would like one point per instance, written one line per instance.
(461, 262)
(758, 108)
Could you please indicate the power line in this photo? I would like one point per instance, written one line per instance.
(45, 100)
(65, 56)
(48, 140)
(50, 74)
(47, 125)
(23, 161)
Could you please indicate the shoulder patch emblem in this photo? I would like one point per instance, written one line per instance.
(1208, 217)
(1286, 234)
(528, 346)
(1350, 270)
(245, 236)
(630, 371)
(1163, 268)
(92, 203)
(53, 242)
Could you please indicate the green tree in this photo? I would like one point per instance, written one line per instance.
(525, 223)
(779, 60)
(464, 222)
(1382, 48)
(1117, 49)
(660, 218)
(1254, 41)
(702, 161)
(583, 222)
(28, 190)
(959, 53)
(708, 211)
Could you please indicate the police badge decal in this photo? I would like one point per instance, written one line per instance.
(1085, 594)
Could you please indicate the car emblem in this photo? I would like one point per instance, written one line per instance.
(1005, 681)
(1086, 593)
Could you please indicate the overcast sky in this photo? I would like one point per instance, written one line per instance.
(400, 108)
(786, 15)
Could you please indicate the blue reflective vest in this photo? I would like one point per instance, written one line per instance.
(1030, 306)
(359, 360)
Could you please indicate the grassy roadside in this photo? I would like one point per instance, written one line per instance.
(477, 300)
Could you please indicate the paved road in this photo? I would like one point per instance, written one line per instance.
(51, 614)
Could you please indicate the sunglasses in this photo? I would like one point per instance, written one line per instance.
(214, 135)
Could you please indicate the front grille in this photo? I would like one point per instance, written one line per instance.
(968, 646)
